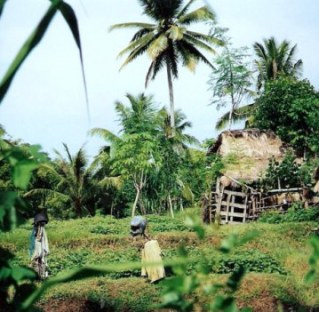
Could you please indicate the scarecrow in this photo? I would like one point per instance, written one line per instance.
(39, 248)
(151, 251)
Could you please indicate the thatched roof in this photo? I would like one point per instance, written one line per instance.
(247, 152)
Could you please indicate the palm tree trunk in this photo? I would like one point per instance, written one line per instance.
(78, 207)
(171, 97)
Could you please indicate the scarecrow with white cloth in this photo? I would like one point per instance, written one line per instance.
(39, 248)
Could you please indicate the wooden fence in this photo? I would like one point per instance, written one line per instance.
(228, 206)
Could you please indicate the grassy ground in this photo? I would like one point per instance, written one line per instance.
(277, 261)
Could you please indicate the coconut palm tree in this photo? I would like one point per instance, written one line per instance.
(274, 59)
(73, 179)
(168, 40)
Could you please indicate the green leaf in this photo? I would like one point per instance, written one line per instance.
(5, 273)
(224, 304)
(22, 273)
(196, 226)
(235, 279)
(22, 172)
(27, 47)
(70, 18)
(8, 216)
(2, 3)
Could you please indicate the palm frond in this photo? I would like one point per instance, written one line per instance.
(45, 192)
(142, 41)
(195, 53)
(239, 114)
(135, 53)
(206, 38)
(107, 182)
(172, 59)
(199, 43)
(199, 15)
(185, 9)
(68, 152)
(49, 169)
(161, 10)
(149, 74)
(158, 65)
(79, 164)
(104, 134)
(2, 3)
(157, 46)
(132, 25)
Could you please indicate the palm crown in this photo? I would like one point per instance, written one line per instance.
(274, 59)
(168, 40)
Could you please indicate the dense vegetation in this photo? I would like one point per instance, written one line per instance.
(276, 260)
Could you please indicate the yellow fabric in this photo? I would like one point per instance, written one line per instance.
(152, 253)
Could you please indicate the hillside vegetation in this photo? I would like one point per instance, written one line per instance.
(276, 260)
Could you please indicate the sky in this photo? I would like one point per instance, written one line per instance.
(46, 102)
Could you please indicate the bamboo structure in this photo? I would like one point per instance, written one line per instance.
(232, 198)
(228, 206)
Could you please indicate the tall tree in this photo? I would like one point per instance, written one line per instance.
(274, 59)
(230, 81)
(169, 41)
(135, 151)
(174, 151)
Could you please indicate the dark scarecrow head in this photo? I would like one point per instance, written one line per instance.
(138, 226)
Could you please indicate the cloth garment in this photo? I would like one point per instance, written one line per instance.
(152, 253)
(40, 252)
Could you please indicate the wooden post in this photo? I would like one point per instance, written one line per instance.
(219, 203)
(232, 208)
(229, 196)
(245, 210)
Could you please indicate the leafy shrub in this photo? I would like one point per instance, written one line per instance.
(104, 230)
(294, 214)
(251, 260)
(71, 260)
(164, 224)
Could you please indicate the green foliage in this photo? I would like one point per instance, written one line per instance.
(294, 214)
(290, 108)
(104, 230)
(285, 174)
(275, 60)
(147, 157)
(313, 274)
(22, 161)
(251, 260)
(169, 40)
(179, 290)
(69, 182)
(37, 35)
(230, 81)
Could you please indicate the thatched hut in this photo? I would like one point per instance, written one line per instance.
(247, 152)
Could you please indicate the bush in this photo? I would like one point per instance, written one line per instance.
(294, 214)
(251, 260)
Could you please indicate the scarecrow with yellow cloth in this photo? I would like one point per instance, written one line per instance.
(151, 252)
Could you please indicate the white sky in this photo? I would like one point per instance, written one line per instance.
(46, 103)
